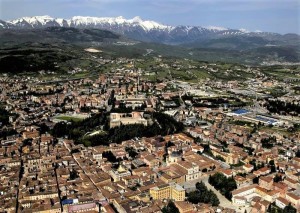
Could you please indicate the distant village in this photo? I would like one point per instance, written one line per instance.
(232, 133)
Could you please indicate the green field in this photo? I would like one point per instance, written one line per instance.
(69, 118)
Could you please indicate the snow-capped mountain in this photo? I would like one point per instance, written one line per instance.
(135, 28)
(80, 21)
(6, 25)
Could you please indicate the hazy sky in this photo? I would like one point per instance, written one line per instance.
(282, 16)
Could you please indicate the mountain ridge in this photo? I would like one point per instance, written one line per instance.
(211, 43)
(22, 48)
(135, 28)
(149, 25)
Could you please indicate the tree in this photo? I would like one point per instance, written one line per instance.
(131, 152)
(203, 195)
(253, 163)
(87, 143)
(109, 156)
(255, 180)
(169, 144)
(218, 157)
(75, 151)
(7, 132)
(27, 142)
(201, 187)
(223, 184)
(268, 143)
(298, 153)
(43, 128)
(194, 197)
(277, 178)
(214, 200)
(73, 175)
(289, 209)
(4, 116)
(272, 165)
(170, 208)
(60, 129)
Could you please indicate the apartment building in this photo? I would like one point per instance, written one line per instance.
(168, 191)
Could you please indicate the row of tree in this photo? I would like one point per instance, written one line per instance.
(281, 107)
(170, 208)
(288, 209)
(163, 125)
(268, 143)
(4, 116)
(203, 195)
(76, 129)
(223, 184)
